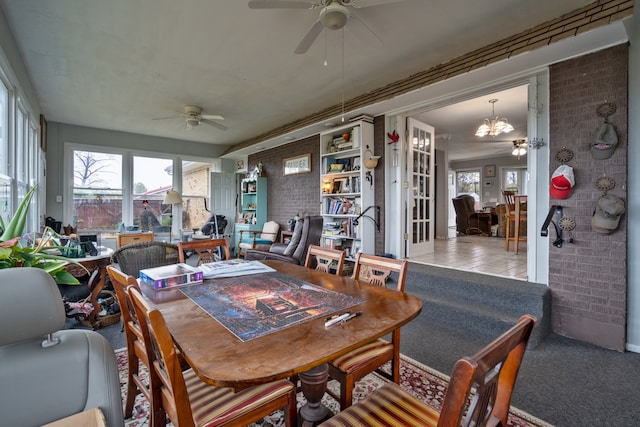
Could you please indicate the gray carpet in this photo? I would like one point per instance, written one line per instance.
(562, 381)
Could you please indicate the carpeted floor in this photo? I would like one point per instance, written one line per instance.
(426, 384)
(562, 381)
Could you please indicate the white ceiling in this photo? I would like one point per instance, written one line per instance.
(119, 64)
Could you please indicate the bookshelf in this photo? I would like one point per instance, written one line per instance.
(346, 187)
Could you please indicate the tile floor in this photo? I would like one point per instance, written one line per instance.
(479, 254)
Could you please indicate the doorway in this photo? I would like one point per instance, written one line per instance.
(490, 158)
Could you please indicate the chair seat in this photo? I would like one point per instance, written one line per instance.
(213, 406)
(360, 356)
(389, 405)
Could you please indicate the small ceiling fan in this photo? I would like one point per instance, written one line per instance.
(334, 14)
(193, 117)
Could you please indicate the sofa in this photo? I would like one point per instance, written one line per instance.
(306, 232)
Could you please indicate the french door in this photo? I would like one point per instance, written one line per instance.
(420, 191)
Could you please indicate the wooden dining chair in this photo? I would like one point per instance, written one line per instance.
(188, 401)
(136, 349)
(515, 214)
(134, 257)
(492, 373)
(208, 250)
(353, 366)
(323, 259)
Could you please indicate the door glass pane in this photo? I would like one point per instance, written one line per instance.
(97, 191)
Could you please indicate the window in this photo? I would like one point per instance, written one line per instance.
(468, 182)
(4, 128)
(21, 163)
(152, 178)
(111, 187)
(196, 178)
(97, 191)
(515, 179)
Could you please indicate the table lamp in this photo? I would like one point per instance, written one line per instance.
(172, 198)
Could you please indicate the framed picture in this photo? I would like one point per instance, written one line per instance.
(43, 133)
(340, 186)
(248, 217)
(298, 164)
(490, 171)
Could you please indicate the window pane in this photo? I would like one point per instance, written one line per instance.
(511, 180)
(468, 182)
(152, 178)
(6, 209)
(196, 178)
(20, 145)
(4, 121)
(97, 191)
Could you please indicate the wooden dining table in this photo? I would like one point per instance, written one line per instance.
(219, 358)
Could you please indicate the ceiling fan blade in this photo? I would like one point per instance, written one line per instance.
(359, 4)
(169, 117)
(281, 4)
(211, 117)
(214, 124)
(310, 37)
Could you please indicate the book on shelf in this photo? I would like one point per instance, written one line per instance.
(233, 268)
(168, 276)
(344, 146)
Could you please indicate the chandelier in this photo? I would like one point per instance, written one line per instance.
(494, 126)
(519, 148)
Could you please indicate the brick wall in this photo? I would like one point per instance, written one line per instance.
(588, 277)
(289, 194)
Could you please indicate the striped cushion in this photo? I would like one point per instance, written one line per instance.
(212, 406)
(387, 406)
(361, 355)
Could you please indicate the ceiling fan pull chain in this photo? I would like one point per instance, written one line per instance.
(342, 30)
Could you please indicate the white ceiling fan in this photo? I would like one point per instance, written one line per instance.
(193, 117)
(334, 14)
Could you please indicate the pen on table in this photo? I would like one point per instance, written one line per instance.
(337, 319)
(351, 316)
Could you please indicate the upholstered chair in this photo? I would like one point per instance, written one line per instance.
(256, 239)
(306, 232)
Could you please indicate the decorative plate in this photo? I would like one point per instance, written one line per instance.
(564, 155)
(605, 110)
(605, 183)
(567, 223)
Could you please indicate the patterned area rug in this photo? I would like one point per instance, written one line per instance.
(426, 384)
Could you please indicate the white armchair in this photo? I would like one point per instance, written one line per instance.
(256, 239)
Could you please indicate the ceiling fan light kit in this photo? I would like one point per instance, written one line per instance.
(494, 126)
(519, 148)
(334, 16)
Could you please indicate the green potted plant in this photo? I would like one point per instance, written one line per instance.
(15, 254)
